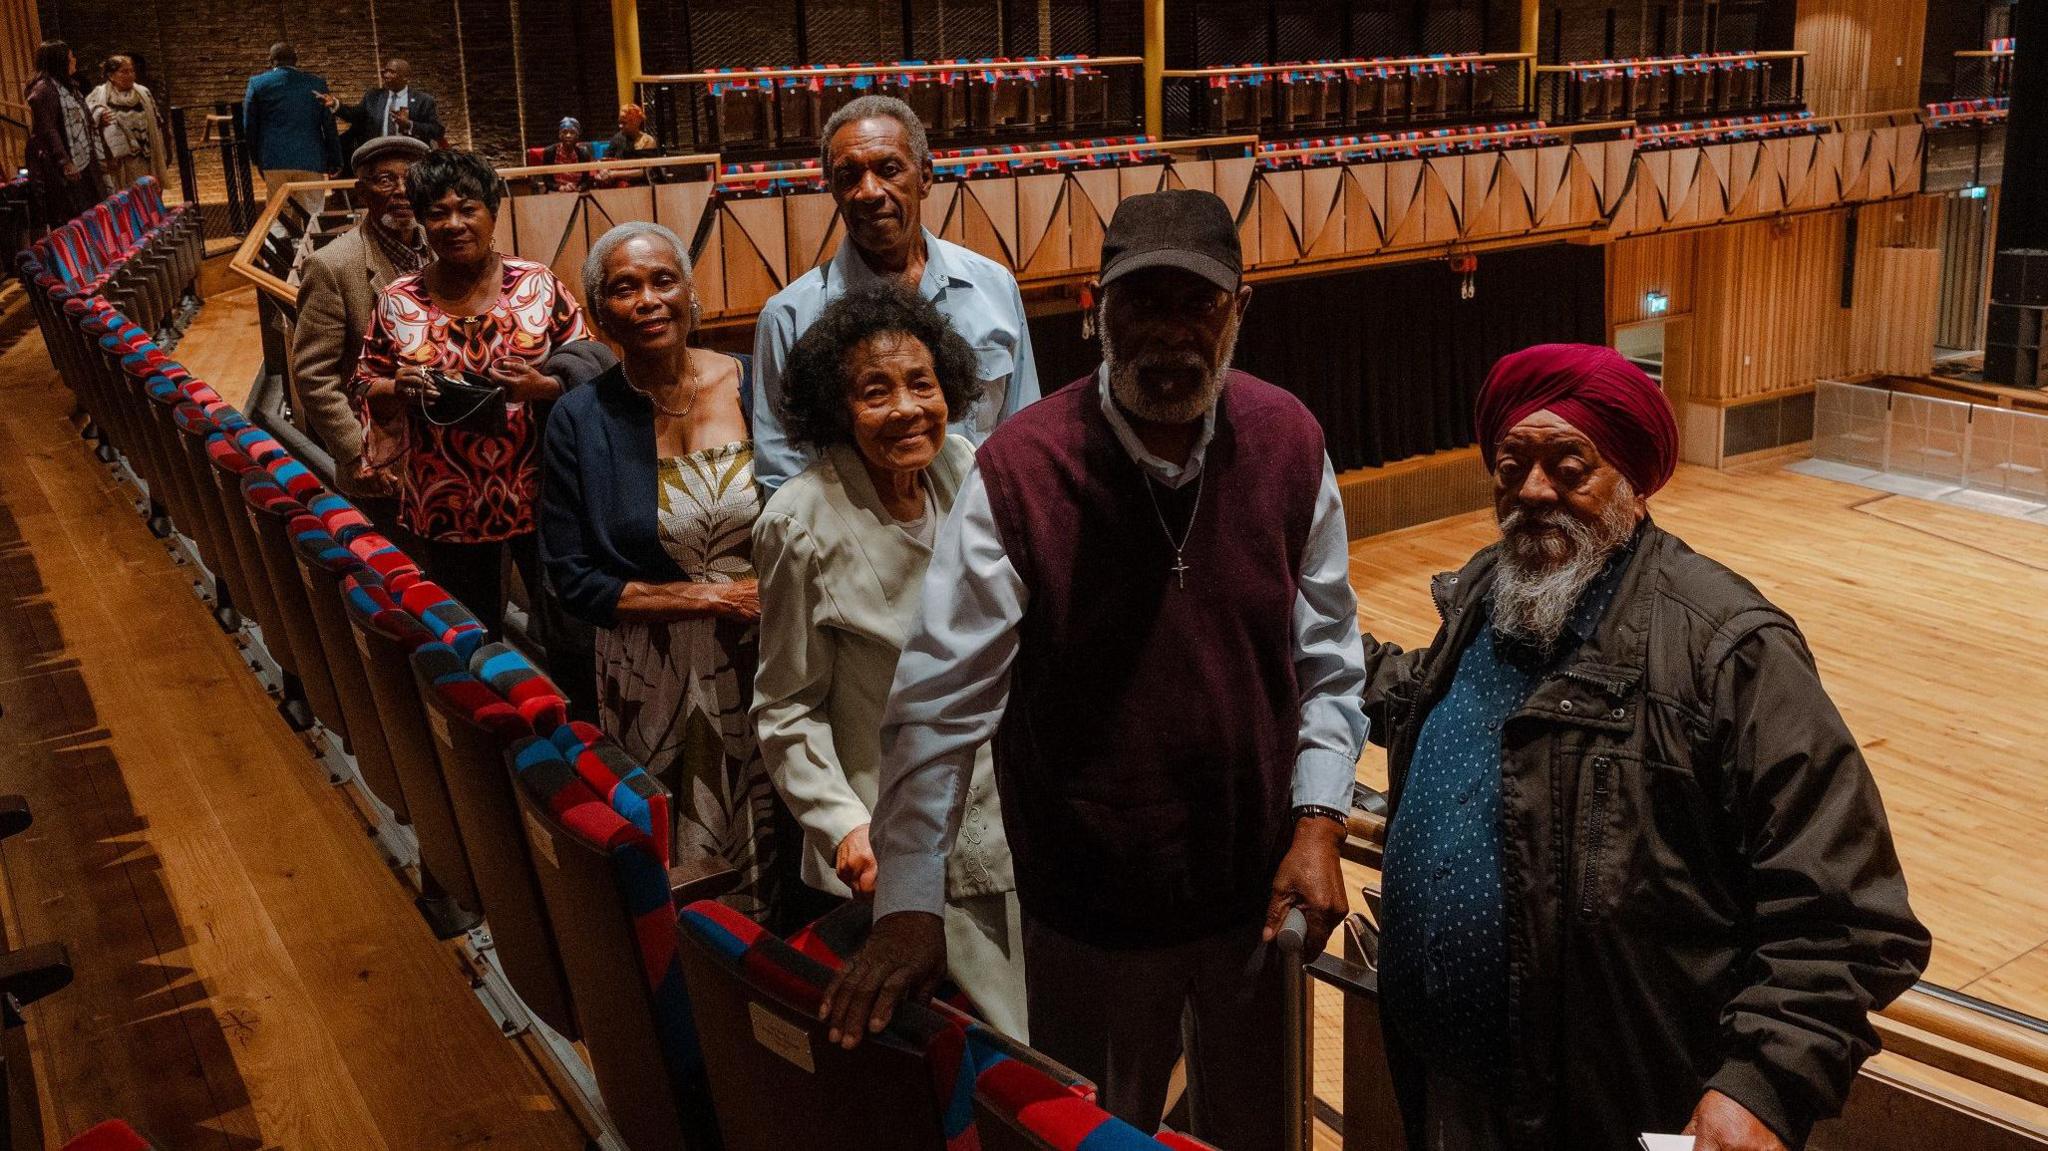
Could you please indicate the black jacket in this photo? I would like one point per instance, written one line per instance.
(366, 119)
(1701, 887)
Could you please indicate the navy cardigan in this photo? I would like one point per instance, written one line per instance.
(598, 495)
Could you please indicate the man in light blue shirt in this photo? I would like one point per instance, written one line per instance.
(878, 167)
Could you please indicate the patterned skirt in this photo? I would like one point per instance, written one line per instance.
(675, 695)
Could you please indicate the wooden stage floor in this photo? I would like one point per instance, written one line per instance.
(1928, 625)
(249, 973)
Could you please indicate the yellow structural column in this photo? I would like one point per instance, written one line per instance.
(626, 46)
(1155, 64)
(1532, 14)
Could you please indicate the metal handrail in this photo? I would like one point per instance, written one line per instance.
(636, 163)
(1439, 141)
(849, 71)
(1350, 65)
(813, 171)
(1673, 61)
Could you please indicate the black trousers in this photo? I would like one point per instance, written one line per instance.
(475, 573)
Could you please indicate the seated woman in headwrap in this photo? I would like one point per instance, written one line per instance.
(569, 149)
(841, 550)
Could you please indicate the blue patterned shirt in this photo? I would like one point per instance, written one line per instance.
(1443, 950)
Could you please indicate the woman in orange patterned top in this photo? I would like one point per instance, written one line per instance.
(468, 460)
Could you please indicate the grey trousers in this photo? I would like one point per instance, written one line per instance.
(1123, 1018)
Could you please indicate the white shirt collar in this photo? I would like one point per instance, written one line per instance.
(939, 271)
(1166, 473)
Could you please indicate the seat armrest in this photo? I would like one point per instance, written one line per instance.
(688, 884)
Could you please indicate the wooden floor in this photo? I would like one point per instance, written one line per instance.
(1928, 623)
(249, 973)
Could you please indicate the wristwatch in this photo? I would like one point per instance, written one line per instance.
(1318, 811)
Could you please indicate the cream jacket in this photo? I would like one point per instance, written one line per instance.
(841, 588)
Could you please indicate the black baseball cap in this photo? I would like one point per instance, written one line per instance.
(1178, 228)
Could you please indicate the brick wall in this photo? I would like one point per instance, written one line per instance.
(465, 52)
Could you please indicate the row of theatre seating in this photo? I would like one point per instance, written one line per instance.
(698, 1025)
(955, 98)
(767, 177)
(17, 218)
(1341, 93)
(1691, 133)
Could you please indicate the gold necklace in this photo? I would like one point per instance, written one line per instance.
(673, 413)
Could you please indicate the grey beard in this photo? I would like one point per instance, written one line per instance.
(1129, 392)
(1541, 578)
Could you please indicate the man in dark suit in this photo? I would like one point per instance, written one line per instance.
(395, 108)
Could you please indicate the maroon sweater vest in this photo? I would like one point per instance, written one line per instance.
(1146, 757)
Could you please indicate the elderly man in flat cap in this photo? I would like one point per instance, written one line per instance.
(1142, 595)
(337, 293)
(1638, 878)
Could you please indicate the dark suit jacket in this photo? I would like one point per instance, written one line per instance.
(366, 118)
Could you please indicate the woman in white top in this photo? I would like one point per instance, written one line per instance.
(126, 115)
(841, 552)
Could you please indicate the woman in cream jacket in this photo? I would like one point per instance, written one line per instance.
(841, 552)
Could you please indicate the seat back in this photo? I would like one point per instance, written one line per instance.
(323, 564)
(474, 729)
(271, 510)
(608, 898)
(775, 1080)
(1018, 1107)
(386, 635)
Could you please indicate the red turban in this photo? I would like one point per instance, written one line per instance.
(1593, 389)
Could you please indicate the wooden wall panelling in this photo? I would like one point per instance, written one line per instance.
(808, 219)
(1767, 305)
(1280, 234)
(708, 274)
(1041, 229)
(941, 210)
(1640, 265)
(1084, 228)
(539, 222)
(1322, 212)
(1553, 165)
(1443, 208)
(748, 280)
(1863, 55)
(996, 198)
(1484, 177)
(1365, 207)
(1898, 297)
(1405, 196)
(1517, 175)
(1967, 227)
(1195, 175)
(20, 32)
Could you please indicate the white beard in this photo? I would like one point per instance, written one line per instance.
(1540, 579)
(1131, 394)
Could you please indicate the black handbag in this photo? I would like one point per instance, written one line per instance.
(468, 401)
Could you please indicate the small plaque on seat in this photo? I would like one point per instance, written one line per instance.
(782, 1037)
(542, 839)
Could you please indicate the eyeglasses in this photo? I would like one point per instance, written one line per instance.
(387, 181)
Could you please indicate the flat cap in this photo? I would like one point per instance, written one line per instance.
(384, 147)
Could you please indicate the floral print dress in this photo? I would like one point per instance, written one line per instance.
(460, 484)
(676, 694)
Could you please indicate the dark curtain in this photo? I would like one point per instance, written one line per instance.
(1389, 359)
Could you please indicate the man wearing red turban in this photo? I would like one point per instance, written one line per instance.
(1637, 878)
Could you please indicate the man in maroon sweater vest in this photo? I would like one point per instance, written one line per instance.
(1142, 595)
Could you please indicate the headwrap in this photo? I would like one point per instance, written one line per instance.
(1593, 389)
(626, 110)
(569, 123)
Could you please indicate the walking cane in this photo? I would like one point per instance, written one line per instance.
(1300, 1065)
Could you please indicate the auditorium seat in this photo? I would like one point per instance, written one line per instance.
(197, 427)
(271, 510)
(323, 564)
(229, 464)
(1018, 1107)
(622, 782)
(606, 885)
(776, 1082)
(474, 729)
(113, 1135)
(386, 636)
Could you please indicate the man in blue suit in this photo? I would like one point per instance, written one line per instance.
(290, 131)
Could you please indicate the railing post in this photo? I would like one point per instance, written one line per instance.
(626, 46)
(188, 174)
(234, 162)
(1155, 65)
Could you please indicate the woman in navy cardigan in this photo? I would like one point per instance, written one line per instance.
(648, 511)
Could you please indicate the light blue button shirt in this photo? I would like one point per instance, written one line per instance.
(978, 296)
